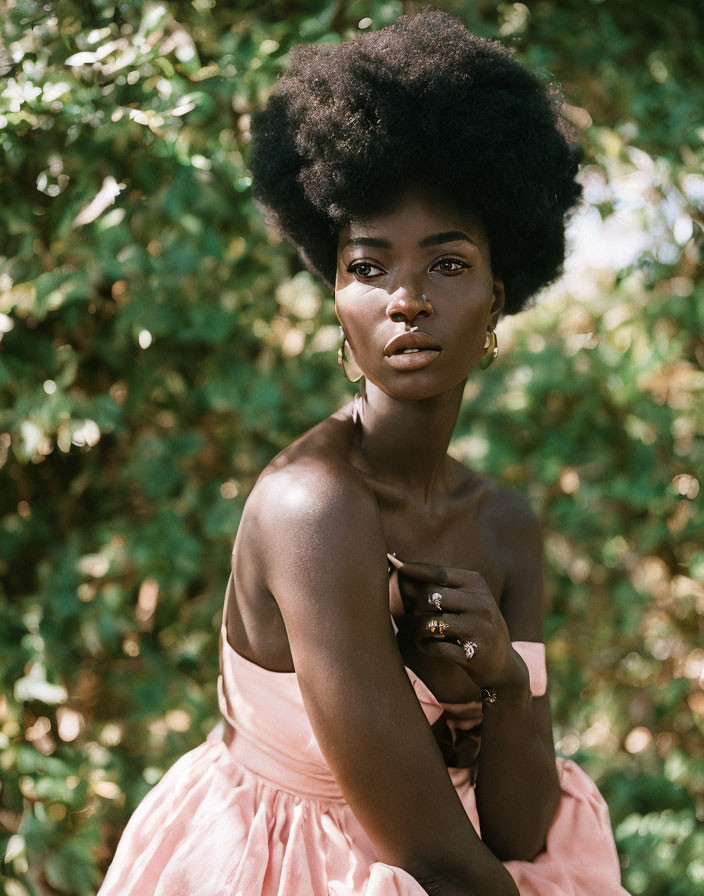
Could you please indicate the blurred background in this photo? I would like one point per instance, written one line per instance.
(159, 346)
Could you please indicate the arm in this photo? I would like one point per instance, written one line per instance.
(320, 533)
(517, 788)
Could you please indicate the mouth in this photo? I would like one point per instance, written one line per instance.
(411, 351)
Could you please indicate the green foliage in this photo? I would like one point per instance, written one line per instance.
(159, 346)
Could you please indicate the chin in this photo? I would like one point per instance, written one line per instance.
(414, 387)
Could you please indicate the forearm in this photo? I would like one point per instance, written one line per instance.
(517, 789)
(441, 849)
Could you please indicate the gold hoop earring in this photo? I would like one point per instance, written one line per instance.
(491, 349)
(346, 361)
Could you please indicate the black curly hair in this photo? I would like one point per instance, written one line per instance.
(424, 103)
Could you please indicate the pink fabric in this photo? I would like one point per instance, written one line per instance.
(533, 655)
(263, 815)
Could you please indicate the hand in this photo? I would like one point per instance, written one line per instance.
(468, 629)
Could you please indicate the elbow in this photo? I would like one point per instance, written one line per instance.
(526, 841)
(489, 877)
(516, 850)
(433, 879)
(432, 882)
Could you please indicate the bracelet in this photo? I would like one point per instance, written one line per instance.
(488, 695)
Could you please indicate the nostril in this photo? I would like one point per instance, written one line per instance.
(405, 307)
(403, 317)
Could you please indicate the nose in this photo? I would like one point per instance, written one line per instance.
(405, 306)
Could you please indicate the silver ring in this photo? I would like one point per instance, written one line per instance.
(469, 647)
(435, 600)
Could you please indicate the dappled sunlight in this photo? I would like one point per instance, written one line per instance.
(160, 344)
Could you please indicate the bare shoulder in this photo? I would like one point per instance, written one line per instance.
(306, 524)
(512, 531)
(307, 491)
(314, 539)
(511, 517)
(310, 479)
(498, 508)
(310, 503)
(518, 529)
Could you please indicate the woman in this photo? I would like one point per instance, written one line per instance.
(425, 176)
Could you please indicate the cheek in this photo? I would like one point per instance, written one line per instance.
(344, 305)
(354, 309)
(469, 338)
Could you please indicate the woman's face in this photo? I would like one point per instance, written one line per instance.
(386, 264)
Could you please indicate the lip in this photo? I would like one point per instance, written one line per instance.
(418, 340)
(425, 350)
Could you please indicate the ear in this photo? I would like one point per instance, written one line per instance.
(498, 302)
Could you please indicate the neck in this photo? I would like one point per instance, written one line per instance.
(404, 443)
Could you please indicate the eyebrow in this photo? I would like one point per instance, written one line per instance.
(450, 236)
(436, 239)
(372, 241)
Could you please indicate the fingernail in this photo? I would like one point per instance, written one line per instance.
(394, 561)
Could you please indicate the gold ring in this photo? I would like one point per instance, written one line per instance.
(437, 627)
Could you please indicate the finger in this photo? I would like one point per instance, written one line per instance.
(413, 590)
(453, 600)
(469, 649)
(447, 628)
(394, 561)
(435, 627)
(446, 650)
(435, 601)
(432, 574)
(437, 641)
(444, 628)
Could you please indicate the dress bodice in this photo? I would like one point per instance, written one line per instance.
(255, 809)
(266, 710)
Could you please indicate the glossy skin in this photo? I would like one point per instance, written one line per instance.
(309, 574)
(380, 290)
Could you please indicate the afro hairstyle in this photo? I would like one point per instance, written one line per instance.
(422, 103)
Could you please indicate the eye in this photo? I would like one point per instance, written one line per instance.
(365, 270)
(450, 266)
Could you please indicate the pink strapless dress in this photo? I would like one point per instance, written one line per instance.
(255, 810)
